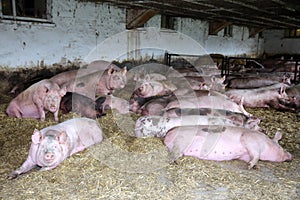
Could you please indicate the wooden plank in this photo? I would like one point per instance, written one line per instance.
(215, 27)
(137, 18)
(254, 31)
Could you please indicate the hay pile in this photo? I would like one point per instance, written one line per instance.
(124, 167)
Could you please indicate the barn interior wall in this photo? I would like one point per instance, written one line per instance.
(276, 43)
(79, 27)
(236, 45)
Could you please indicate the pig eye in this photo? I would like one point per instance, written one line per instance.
(116, 78)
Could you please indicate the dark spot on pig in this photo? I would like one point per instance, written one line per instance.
(178, 111)
(205, 129)
(215, 130)
(155, 121)
(80, 84)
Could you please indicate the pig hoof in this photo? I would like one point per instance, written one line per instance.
(173, 162)
(12, 176)
(253, 167)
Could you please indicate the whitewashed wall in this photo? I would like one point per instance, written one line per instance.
(275, 43)
(80, 27)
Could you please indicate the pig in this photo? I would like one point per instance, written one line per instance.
(261, 97)
(112, 102)
(154, 106)
(79, 104)
(36, 100)
(212, 82)
(98, 83)
(149, 88)
(53, 144)
(292, 102)
(64, 77)
(158, 126)
(93, 67)
(256, 82)
(293, 91)
(214, 102)
(220, 143)
(247, 122)
(150, 76)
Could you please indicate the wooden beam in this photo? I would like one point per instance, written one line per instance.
(215, 27)
(137, 18)
(254, 31)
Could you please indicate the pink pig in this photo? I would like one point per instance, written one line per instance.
(53, 144)
(225, 143)
(35, 100)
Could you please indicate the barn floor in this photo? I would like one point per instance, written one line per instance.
(124, 167)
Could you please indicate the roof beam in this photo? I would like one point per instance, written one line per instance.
(137, 18)
(254, 31)
(215, 27)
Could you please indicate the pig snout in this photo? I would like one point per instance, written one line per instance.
(49, 157)
(53, 108)
(52, 103)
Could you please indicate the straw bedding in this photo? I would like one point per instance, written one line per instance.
(125, 167)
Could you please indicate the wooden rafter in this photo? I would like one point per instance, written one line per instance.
(137, 18)
(215, 27)
(254, 31)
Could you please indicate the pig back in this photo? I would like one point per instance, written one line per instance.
(82, 133)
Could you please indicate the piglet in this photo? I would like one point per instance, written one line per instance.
(53, 144)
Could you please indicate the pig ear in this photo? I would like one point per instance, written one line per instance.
(282, 90)
(62, 137)
(147, 77)
(63, 91)
(124, 71)
(277, 136)
(136, 77)
(213, 79)
(223, 78)
(110, 71)
(36, 136)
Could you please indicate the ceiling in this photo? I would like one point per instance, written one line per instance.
(252, 13)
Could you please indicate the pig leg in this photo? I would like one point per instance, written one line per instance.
(243, 109)
(47, 168)
(13, 110)
(26, 166)
(40, 107)
(56, 115)
(278, 106)
(252, 145)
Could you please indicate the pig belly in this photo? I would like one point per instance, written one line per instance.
(217, 147)
(23, 111)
